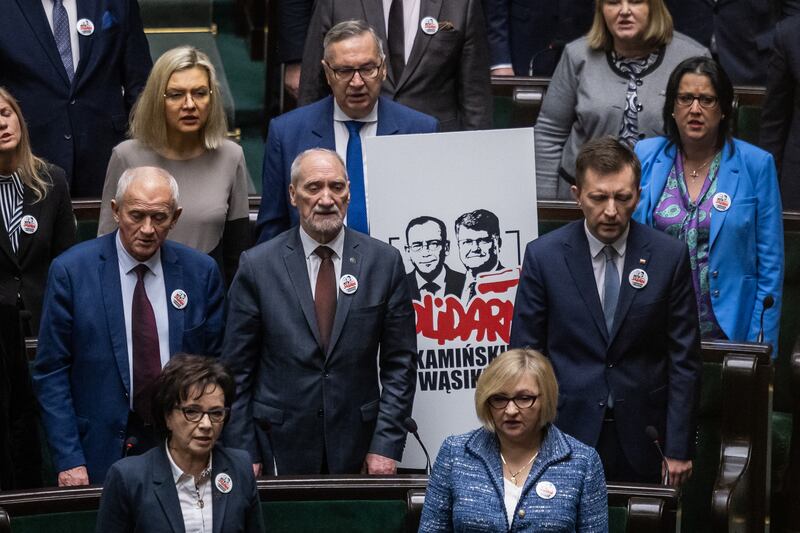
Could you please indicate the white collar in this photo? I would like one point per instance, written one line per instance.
(310, 245)
(128, 262)
(340, 116)
(596, 246)
(178, 474)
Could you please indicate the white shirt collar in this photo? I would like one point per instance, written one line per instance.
(128, 262)
(177, 473)
(439, 280)
(310, 245)
(341, 116)
(596, 246)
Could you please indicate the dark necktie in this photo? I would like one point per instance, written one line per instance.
(611, 287)
(62, 35)
(431, 287)
(325, 295)
(357, 211)
(472, 290)
(396, 39)
(146, 356)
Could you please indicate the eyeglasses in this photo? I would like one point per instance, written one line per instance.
(194, 414)
(368, 72)
(197, 95)
(706, 100)
(433, 245)
(481, 242)
(524, 401)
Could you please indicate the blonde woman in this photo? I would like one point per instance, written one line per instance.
(610, 82)
(178, 124)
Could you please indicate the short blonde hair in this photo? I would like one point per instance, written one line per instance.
(148, 123)
(507, 369)
(32, 170)
(657, 34)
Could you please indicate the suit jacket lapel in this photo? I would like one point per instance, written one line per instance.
(5, 244)
(34, 12)
(324, 127)
(351, 264)
(219, 500)
(167, 496)
(660, 173)
(636, 249)
(173, 279)
(108, 272)
(387, 123)
(727, 182)
(92, 10)
(579, 264)
(295, 262)
(28, 208)
(427, 8)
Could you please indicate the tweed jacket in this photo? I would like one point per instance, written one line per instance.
(586, 99)
(465, 490)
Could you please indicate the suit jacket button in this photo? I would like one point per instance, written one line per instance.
(320, 413)
(716, 292)
(521, 513)
(715, 274)
(67, 136)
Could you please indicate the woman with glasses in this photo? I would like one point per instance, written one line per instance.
(190, 483)
(719, 195)
(178, 124)
(518, 472)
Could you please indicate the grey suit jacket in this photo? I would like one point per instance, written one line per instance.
(447, 73)
(312, 401)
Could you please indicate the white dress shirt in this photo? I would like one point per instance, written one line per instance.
(599, 258)
(341, 136)
(313, 261)
(439, 280)
(156, 293)
(196, 519)
(410, 23)
(72, 14)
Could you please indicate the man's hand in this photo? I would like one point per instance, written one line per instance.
(256, 469)
(679, 471)
(73, 477)
(379, 465)
(291, 79)
(503, 71)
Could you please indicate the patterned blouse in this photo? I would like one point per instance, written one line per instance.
(677, 215)
(632, 68)
(11, 193)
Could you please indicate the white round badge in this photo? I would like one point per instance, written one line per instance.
(429, 25)
(545, 490)
(29, 224)
(637, 278)
(224, 483)
(721, 201)
(179, 299)
(348, 284)
(85, 27)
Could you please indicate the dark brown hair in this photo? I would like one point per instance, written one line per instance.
(606, 155)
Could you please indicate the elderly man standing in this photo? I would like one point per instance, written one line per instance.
(308, 313)
(354, 67)
(116, 308)
(611, 303)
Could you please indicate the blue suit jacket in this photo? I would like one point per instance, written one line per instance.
(346, 402)
(76, 125)
(465, 491)
(81, 374)
(650, 360)
(140, 496)
(307, 127)
(746, 253)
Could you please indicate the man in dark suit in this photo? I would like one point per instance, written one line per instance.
(292, 25)
(321, 339)
(611, 303)
(115, 309)
(76, 67)
(427, 246)
(354, 69)
(438, 56)
(526, 37)
(738, 32)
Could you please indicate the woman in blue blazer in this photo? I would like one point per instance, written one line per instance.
(719, 195)
(190, 483)
(518, 472)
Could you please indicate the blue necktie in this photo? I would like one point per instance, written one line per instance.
(357, 212)
(62, 35)
(611, 287)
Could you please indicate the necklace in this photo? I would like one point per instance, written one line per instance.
(513, 475)
(693, 174)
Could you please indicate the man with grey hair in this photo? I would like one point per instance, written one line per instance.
(115, 309)
(321, 339)
(355, 66)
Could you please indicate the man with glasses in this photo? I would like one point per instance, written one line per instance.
(427, 246)
(354, 66)
(479, 241)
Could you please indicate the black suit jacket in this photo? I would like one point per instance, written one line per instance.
(76, 125)
(453, 283)
(447, 74)
(650, 360)
(25, 273)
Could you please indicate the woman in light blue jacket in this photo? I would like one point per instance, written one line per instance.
(719, 195)
(518, 472)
